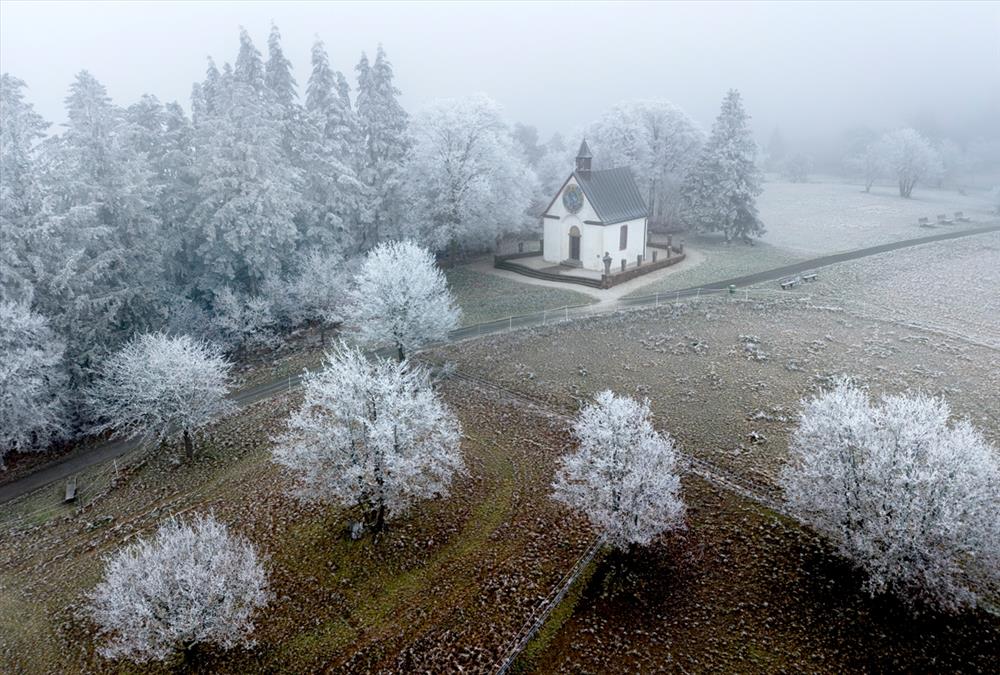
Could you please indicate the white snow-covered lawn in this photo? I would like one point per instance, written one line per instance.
(951, 286)
(825, 217)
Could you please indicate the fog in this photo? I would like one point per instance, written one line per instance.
(813, 70)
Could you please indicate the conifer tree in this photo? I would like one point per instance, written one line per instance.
(332, 189)
(247, 191)
(383, 124)
(104, 275)
(20, 190)
(720, 193)
(278, 71)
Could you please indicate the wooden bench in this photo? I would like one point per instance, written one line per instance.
(789, 282)
(810, 276)
(943, 219)
(961, 217)
(924, 222)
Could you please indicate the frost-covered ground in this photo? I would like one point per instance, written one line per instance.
(485, 297)
(720, 260)
(825, 217)
(952, 286)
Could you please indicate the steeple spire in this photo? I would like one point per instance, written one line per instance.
(583, 157)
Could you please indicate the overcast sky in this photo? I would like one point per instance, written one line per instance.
(806, 67)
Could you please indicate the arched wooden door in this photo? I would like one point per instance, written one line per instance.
(574, 243)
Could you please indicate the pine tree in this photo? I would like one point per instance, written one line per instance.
(720, 193)
(383, 124)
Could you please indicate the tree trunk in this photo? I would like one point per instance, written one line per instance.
(322, 333)
(188, 661)
(400, 352)
(188, 445)
(379, 520)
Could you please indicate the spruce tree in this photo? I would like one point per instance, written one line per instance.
(105, 278)
(720, 194)
(21, 196)
(332, 189)
(278, 72)
(247, 195)
(383, 124)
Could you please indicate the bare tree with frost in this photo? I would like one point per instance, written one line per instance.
(32, 381)
(158, 385)
(466, 179)
(624, 475)
(909, 157)
(400, 297)
(371, 434)
(193, 583)
(658, 141)
(320, 291)
(910, 498)
(244, 321)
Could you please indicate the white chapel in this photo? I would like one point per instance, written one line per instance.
(595, 214)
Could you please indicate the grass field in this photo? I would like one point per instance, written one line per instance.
(952, 286)
(446, 588)
(450, 585)
(485, 297)
(816, 218)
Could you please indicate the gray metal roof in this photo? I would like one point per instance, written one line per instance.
(613, 194)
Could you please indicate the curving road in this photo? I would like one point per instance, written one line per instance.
(63, 469)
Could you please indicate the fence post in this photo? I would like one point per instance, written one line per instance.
(657, 303)
(566, 309)
(543, 316)
(510, 324)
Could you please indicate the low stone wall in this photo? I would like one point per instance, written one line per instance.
(645, 268)
(515, 256)
(505, 264)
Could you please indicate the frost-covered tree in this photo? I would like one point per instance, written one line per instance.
(466, 180)
(244, 321)
(910, 498)
(796, 168)
(158, 385)
(103, 258)
(909, 157)
(720, 193)
(320, 291)
(371, 434)
(278, 77)
(623, 477)
(33, 383)
(658, 141)
(400, 297)
(383, 124)
(193, 583)
(248, 197)
(334, 195)
(22, 222)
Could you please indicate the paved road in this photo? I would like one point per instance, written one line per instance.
(106, 451)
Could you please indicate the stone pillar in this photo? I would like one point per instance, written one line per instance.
(654, 256)
(623, 264)
(638, 260)
(520, 247)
